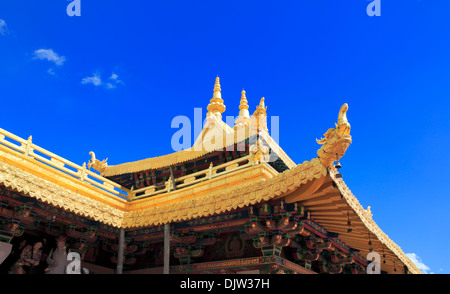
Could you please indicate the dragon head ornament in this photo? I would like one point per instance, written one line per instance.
(336, 140)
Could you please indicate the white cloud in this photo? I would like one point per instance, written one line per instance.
(418, 262)
(50, 55)
(94, 80)
(110, 86)
(115, 80)
(3, 28)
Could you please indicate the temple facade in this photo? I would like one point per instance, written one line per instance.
(232, 203)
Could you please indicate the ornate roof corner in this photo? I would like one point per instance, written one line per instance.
(336, 140)
(366, 217)
(61, 191)
(96, 164)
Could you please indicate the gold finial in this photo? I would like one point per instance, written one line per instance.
(244, 115)
(217, 84)
(260, 117)
(216, 105)
(243, 106)
(244, 102)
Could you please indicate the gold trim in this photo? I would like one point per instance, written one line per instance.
(52, 186)
(97, 207)
(227, 199)
(189, 154)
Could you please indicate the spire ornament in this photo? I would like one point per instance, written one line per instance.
(261, 109)
(260, 115)
(216, 106)
(243, 106)
(244, 115)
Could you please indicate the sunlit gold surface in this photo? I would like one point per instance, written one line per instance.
(48, 185)
(309, 182)
(336, 140)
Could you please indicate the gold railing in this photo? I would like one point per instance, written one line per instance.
(197, 177)
(27, 148)
(81, 173)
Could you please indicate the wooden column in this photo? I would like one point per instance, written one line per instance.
(166, 248)
(167, 234)
(119, 269)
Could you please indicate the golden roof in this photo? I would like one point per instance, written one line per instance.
(214, 129)
(312, 183)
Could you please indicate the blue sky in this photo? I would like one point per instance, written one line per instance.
(112, 80)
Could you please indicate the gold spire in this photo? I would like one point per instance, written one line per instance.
(216, 105)
(217, 89)
(244, 116)
(243, 106)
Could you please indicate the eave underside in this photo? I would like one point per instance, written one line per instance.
(332, 205)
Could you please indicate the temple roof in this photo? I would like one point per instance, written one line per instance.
(314, 183)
